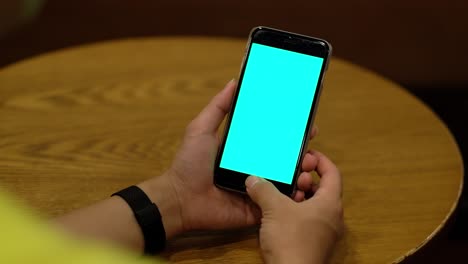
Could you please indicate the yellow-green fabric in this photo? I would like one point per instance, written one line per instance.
(26, 238)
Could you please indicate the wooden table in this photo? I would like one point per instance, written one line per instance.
(78, 124)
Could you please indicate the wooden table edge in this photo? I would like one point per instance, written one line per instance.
(455, 203)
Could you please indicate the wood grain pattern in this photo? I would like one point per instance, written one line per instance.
(78, 124)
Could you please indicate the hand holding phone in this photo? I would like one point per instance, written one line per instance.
(189, 179)
(273, 109)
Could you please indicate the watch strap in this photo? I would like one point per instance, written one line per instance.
(148, 217)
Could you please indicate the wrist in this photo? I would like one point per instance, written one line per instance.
(161, 192)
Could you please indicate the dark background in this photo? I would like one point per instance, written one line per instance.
(422, 45)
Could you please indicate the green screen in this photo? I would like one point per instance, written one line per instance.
(271, 113)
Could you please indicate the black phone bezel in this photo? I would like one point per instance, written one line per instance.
(233, 180)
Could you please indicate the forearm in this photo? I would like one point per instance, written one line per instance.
(109, 220)
(113, 221)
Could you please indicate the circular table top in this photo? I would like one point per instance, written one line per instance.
(78, 124)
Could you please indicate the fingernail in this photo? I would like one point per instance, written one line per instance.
(231, 81)
(251, 181)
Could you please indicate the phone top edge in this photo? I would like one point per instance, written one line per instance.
(327, 44)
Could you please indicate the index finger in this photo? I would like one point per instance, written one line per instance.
(330, 177)
(313, 132)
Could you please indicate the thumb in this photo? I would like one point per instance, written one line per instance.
(262, 192)
(213, 114)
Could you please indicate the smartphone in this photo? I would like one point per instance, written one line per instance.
(273, 108)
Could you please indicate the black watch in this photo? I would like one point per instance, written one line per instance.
(148, 217)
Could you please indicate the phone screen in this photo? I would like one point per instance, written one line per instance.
(271, 113)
